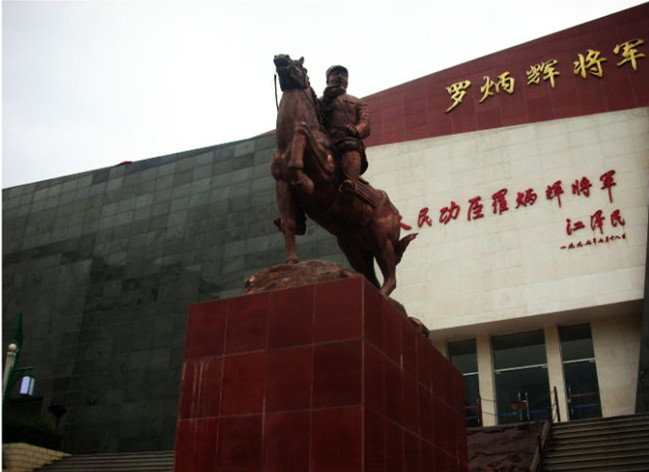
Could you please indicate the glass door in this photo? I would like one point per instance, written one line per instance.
(521, 372)
(580, 372)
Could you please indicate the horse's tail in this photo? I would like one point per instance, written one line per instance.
(401, 246)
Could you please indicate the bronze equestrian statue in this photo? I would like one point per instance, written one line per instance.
(310, 182)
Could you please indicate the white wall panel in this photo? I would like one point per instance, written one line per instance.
(519, 263)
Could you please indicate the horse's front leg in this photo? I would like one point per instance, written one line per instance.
(296, 162)
(287, 222)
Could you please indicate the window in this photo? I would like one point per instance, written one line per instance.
(463, 355)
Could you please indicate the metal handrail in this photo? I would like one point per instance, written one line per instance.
(541, 441)
(478, 410)
(587, 394)
(546, 433)
(571, 403)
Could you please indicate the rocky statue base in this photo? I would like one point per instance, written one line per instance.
(327, 376)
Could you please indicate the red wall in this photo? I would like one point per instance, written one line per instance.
(416, 109)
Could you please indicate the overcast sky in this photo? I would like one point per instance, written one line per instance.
(90, 84)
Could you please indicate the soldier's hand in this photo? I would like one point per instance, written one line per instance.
(352, 130)
(331, 92)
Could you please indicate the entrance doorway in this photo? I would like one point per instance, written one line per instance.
(521, 372)
(580, 372)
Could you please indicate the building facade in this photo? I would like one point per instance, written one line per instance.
(508, 167)
(525, 173)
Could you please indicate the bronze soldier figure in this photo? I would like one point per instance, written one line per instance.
(347, 122)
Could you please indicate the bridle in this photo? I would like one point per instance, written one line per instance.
(304, 87)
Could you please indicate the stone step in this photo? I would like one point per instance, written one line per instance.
(613, 462)
(642, 418)
(637, 467)
(136, 462)
(64, 466)
(585, 444)
(600, 429)
(634, 451)
(603, 444)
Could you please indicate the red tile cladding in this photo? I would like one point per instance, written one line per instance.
(374, 443)
(289, 379)
(200, 391)
(392, 322)
(206, 329)
(426, 456)
(355, 387)
(409, 347)
(411, 452)
(243, 383)
(287, 441)
(337, 374)
(439, 414)
(337, 308)
(400, 115)
(374, 379)
(394, 392)
(247, 325)
(410, 404)
(196, 444)
(291, 317)
(441, 460)
(425, 414)
(437, 372)
(374, 315)
(336, 444)
(425, 361)
(239, 444)
(394, 454)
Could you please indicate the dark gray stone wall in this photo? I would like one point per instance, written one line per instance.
(103, 265)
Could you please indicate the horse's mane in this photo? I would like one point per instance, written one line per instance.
(318, 108)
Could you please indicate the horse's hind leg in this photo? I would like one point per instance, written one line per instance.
(360, 259)
(387, 262)
(287, 222)
(369, 272)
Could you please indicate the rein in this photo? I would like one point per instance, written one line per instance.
(311, 98)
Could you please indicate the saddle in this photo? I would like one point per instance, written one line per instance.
(363, 190)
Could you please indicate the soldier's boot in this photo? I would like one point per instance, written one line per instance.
(351, 165)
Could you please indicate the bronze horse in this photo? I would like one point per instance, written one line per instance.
(308, 179)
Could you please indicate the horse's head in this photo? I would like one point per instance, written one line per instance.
(292, 74)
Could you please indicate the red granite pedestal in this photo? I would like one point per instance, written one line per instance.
(327, 377)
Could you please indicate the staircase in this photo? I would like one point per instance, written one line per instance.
(162, 461)
(602, 444)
